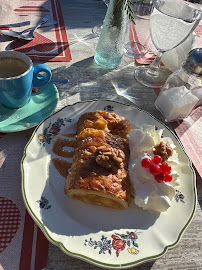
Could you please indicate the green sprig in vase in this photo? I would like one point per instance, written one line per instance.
(110, 47)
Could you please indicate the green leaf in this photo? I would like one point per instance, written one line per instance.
(124, 236)
(135, 244)
(128, 243)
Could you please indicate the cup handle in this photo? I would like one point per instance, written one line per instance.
(40, 79)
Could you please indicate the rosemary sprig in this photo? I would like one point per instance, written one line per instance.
(119, 5)
(128, 6)
(129, 10)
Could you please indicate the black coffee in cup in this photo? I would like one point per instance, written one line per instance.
(18, 76)
(12, 67)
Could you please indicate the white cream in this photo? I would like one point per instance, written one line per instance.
(150, 194)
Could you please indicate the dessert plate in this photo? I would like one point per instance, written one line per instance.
(105, 237)
(40, 106)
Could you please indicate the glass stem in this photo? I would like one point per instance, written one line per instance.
(155, 66)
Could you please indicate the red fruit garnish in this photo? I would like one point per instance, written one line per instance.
(165, 168)
(160, 177)
(160, 171)
(155, 169)
(168, 177)
(146, 162)
(157, 159)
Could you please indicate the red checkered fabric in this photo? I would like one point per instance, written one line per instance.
(9, 222)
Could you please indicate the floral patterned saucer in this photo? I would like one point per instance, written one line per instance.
(105, 237)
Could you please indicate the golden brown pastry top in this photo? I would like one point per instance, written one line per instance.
(100, 163)
(102, 120)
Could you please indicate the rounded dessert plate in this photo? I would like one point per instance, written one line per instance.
(40, 106)
(105, 237)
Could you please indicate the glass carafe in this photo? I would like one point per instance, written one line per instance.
(110, 47)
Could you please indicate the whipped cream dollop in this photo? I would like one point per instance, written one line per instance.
(150, 194)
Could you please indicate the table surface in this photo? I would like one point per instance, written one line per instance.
(88, 81)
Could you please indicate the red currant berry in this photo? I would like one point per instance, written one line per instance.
(168, 177)
(155, 169)
(165, 167)
(146, 162)
(157, 159)
(160, 177)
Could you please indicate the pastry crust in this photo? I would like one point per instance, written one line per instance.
(91, 178)
(99, 171)
(109, 122)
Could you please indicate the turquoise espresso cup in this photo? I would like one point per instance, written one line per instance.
(17, 78)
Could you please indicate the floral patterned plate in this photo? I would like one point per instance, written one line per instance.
(105, 237)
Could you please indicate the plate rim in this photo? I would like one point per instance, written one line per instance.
(84, 257)
(35, 125)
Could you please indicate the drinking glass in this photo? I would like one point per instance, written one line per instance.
(171, 22)
(97, 29)
(141, 14)
(135, 49)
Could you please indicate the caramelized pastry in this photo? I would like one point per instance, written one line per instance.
(99, 171)
(109, 122)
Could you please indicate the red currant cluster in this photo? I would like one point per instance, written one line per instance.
(160, 171)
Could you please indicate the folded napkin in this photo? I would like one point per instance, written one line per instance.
(189, 133)
(50, 43)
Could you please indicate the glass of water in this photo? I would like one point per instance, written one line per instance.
(137, 46)
(171, 22)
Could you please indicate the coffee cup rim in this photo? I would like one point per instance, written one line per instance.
(20, 55)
